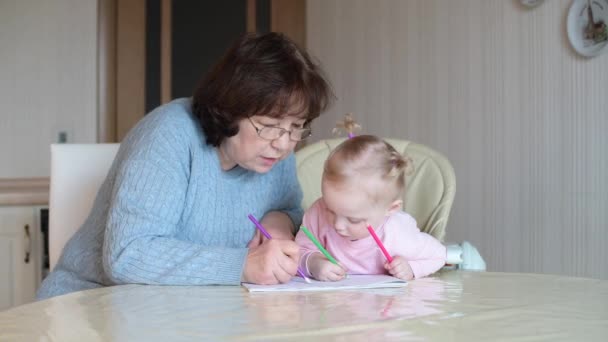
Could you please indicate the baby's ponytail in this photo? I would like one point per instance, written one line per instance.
(400, 164)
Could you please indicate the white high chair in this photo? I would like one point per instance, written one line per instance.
(77, 172)
(428, 197)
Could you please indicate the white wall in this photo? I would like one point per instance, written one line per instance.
(48, 80)
(498, 89)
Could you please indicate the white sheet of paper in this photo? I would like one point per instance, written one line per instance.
(351, 282)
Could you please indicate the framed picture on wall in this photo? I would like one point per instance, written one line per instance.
(587, 26)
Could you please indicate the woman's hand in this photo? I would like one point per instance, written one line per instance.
(322, 269)
(274, 261)
(400, 268)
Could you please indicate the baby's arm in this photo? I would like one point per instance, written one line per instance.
(423, 253)
(322, 269)
(400, 268)
(430, 256)
(307, 248)
(312, 261)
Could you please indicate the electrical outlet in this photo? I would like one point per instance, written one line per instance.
(62, 137)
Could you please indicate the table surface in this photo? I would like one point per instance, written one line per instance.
(452, 306)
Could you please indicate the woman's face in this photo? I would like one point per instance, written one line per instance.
(248, 150)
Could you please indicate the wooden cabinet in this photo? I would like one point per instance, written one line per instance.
(20, 254)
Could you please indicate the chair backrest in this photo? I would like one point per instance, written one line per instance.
(430, 188)
(77, 172)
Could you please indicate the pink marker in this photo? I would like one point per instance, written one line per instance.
(373, 233)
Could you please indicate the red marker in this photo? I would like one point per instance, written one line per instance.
(373, 233)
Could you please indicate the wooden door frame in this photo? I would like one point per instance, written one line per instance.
(287, 16)
(121, 69)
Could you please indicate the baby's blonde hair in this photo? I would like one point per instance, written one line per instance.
(365, 157)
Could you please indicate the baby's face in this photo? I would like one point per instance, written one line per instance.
(350, 210)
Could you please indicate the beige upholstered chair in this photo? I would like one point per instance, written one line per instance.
(77, 172)
(430, 188)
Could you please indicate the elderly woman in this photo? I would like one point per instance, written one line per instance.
(173, 208)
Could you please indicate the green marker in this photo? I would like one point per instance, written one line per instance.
(318, 244)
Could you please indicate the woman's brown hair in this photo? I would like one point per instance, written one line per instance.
(261, 74)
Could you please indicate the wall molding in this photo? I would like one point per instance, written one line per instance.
(24, 191)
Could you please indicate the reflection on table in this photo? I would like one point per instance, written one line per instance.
(450, 306)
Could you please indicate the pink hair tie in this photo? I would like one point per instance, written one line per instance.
(348, 124)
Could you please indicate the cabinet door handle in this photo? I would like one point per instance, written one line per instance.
(27, 241)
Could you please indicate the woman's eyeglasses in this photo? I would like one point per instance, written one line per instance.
(274, 132)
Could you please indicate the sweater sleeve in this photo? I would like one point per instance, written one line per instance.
(424, 253)
(429, 256)
(140, 243)
(307, 248)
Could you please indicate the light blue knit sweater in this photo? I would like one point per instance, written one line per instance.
(168, 214)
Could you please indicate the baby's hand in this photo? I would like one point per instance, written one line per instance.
(400, 268)
(324, 270)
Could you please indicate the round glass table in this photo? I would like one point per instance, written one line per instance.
(450, 306)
